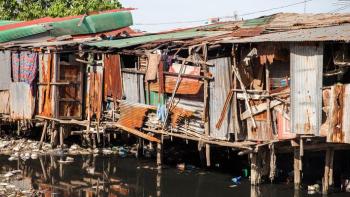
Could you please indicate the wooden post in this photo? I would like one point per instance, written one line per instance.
(43, 135)
(159, 154)
(207, 154)
(61, 130)
(331, 181)
(159, 182)
(297, 174)
(328, 172)
(254, 169)
(268, 111)
(235, 101)
(206, 105)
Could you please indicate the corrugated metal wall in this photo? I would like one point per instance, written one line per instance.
(4, 102)
(219, 89)
(5, 67)
(21, 101)
(195, 124)
(133, 87)
(306, 82)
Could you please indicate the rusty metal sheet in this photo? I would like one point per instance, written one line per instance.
(5, 102)
(21, 101)
(95, 92)
(218, 90)
(46, 73)
(332, 33)
(185, 87)
(194, 105)
(112, 77)
(306, 62)
(248, 32)
(5, 66)
(132, 115)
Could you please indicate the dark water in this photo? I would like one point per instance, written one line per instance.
(112, 176)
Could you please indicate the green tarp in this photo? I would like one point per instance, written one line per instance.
(89, 25)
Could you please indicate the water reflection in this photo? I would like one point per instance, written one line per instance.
(111, 176)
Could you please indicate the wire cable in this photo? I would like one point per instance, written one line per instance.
(224, 17)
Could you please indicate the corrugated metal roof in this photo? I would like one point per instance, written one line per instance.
(67, 26)
(333, 33)
(122, 43)
(6, 22)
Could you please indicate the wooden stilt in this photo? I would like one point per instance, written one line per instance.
(297, 174)
(255, 191)
(207, 154)
(272, 163)
(93, 140)
(61, 130)
(159, 181)
(327, 171)
(254, 169)
(159, 154)
(43, 135)
(331, 181)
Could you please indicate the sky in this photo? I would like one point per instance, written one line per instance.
(162, 15)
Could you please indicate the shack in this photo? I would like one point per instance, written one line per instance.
(273, 84)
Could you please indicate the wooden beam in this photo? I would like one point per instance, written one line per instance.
(138, 133)
(259, 108)
(43, 135)
(237, 145)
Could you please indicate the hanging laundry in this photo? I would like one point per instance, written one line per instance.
(152, 68)
(24, 67)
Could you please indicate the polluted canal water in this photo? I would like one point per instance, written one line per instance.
(110, 175)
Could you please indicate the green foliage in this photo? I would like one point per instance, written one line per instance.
(33, 9)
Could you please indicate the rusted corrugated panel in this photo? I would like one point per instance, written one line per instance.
(95, 92)
(185, 87)
(21, 101)
(248, 32)
(133, 87)
(132, 115)
(46, 73)
(112, 77)
(306, 82)
(195, 105)
(5, 66)
(5, 102)
(332, 33)
(219, 89)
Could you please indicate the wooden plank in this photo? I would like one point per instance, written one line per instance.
(258, 109)
(43, 135)
(245, 95)
(138, 133)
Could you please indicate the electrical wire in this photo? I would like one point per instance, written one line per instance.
(224, 17)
